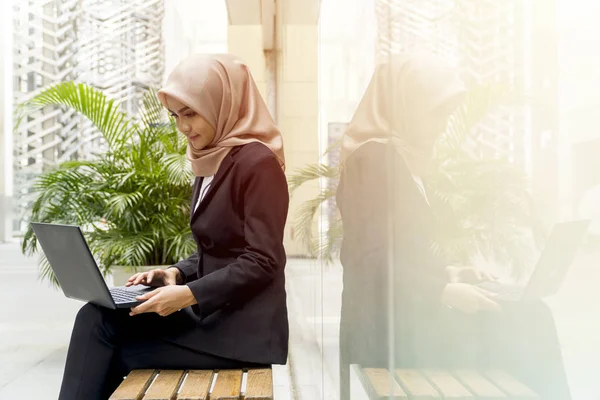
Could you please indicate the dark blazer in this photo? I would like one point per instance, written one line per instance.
(237, 274)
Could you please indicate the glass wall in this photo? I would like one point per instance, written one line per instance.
(453, 238)
(443, 161)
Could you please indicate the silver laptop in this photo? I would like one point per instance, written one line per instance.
(77, 271)
(551, 268)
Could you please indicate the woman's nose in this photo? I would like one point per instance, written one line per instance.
(185, 129)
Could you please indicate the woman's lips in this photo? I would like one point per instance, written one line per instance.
(193, 137)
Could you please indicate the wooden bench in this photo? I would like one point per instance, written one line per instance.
(379, 383)
(150, 384)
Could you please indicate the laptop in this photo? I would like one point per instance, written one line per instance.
(552, 266)
(77, 271)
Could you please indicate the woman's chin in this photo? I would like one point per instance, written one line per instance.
(196, 145)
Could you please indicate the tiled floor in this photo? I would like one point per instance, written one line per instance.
(35, 324)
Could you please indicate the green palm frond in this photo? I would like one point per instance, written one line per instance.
(46, 273)
(132, 249)
(131, 202)
(306, 214)
(153, 112)
(178, 168)
(171, 140)
(116, 127)
(336, 145)
(118, 204)
(328, 244)
(181, 242)
(310, 173)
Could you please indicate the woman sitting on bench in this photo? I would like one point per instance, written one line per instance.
(225, 306)
(400, 303)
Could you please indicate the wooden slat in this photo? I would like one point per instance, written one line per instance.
(479, 385)
(196, 385)
(228, 385)
(134, 386)
(416, 385)
(382, 383)
(512, 387)
(165, 385)
(448, 386)
(259, 385)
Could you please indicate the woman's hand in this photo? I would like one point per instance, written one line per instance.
(165, 300)
(468, 274)
(156, 277)
(468, 298)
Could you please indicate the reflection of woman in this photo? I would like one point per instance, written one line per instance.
(231, 292)
(393, 283)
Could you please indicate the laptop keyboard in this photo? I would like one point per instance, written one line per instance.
(124, 296)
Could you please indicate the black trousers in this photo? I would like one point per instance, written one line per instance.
(106, 344)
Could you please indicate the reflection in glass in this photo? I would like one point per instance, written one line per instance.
(403, 305)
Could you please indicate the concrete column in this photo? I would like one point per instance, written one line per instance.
(299, 114)
(297, 42)
(279, 41)
(297, 94)
(246, 41)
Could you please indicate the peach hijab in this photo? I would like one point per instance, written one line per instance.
(403, 95)
(220, 88)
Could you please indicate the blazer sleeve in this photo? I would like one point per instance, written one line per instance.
(265, 202)
(188, 268)
(418, 270)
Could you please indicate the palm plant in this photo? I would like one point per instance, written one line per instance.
(483, 205)
(132, 201)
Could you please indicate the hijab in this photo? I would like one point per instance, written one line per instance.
(220, 88)
(404, 95)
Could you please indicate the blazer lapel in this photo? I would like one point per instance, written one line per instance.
(221, 172)
(195, 194)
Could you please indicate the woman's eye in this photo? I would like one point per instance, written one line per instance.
(190, 114)
(173, 115)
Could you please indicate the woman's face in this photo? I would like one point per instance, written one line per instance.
(199, 133)
(432, 127)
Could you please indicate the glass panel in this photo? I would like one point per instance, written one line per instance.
(435, 228)
(461, 198)
(347, 56)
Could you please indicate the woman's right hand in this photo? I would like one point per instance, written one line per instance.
(156, 277)
(468, 298)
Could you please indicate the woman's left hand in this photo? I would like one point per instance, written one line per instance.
(165, 300)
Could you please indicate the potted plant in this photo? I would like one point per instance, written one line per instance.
(131, 201)
(483, 205)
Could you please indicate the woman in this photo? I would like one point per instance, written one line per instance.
(394, 286)
(225, 306)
